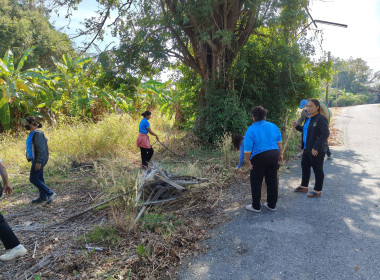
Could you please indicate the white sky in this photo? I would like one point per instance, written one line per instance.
(360, 40)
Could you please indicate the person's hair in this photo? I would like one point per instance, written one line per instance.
(316, 102)
(146, 113)
(259, 113)
(33, 121)
(236, 140)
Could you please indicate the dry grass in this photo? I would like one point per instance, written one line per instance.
(336, 135)
(109, 147)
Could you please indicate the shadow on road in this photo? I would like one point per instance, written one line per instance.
(332, 237)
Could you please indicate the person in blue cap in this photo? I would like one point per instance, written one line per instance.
(304, 113)
(304, 116)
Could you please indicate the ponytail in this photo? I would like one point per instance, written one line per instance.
(146, 113)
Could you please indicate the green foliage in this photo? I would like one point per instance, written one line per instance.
(275, 75)
(221, 113)
(188, 84)
(103, 235)
(143, 251)
(17, 87)
(162, 223)
(351, 75)
(350, 99)
(26, 25)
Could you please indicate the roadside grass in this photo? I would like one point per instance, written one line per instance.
(165, 233)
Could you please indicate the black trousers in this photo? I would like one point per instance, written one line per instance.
(316, 162)
(264, 165)
(146, 155)
(328, 151)
(7, 236)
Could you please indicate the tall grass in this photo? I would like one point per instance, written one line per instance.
(114, 136)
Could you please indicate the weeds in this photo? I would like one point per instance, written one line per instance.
(161, 223)
(143, 250)
(106, 235)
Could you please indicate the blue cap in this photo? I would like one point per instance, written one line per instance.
(303, 103)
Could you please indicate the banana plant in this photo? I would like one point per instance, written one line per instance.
(16, 87)
(78, 85)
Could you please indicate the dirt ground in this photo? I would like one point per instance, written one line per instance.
(55, 236)
(56, 241)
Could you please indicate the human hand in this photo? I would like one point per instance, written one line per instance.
(157, 138)
(314, 152)
(294, 124)
(280, 158)
(250, 166)
(37, 167)
(7, 189)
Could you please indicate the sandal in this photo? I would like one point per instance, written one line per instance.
(314, 194)
(301, 189)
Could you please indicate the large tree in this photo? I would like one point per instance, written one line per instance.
(206, 35)
(23, 25)
(352, 75)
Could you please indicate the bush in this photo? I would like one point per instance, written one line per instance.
(221, 113)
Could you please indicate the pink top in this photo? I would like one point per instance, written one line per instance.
(143, 141)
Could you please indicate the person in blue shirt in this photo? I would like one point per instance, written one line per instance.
(237, 141)
(263, 152)
(37, 152)
(143, 139)
(315, 132)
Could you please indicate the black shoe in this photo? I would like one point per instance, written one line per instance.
(38, 200)
(51, 198)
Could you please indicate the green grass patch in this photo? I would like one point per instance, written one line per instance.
(156, 222)
(101, 235)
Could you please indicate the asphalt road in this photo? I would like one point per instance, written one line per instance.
(336, 236)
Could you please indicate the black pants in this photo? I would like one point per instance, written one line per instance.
(146, 155)
(7, 236)
(328, 151)
(264, 165)
(316, 162)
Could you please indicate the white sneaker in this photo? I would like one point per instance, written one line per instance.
(266, 205)
(16, 252)
(250, 208)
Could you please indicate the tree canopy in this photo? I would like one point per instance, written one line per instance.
(25, 25)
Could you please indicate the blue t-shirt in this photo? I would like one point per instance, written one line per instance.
(144, 124)
(305, 126)
(260, 137)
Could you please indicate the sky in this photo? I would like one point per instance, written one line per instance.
(361, 39)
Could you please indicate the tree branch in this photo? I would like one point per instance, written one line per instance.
(100, 27)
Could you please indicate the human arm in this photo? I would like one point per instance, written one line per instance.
(303, 117)
(297, 126)
(247, 157)
(4, 175)
(151, 132)
(280, 158)
(241, 156)
(248, 143)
